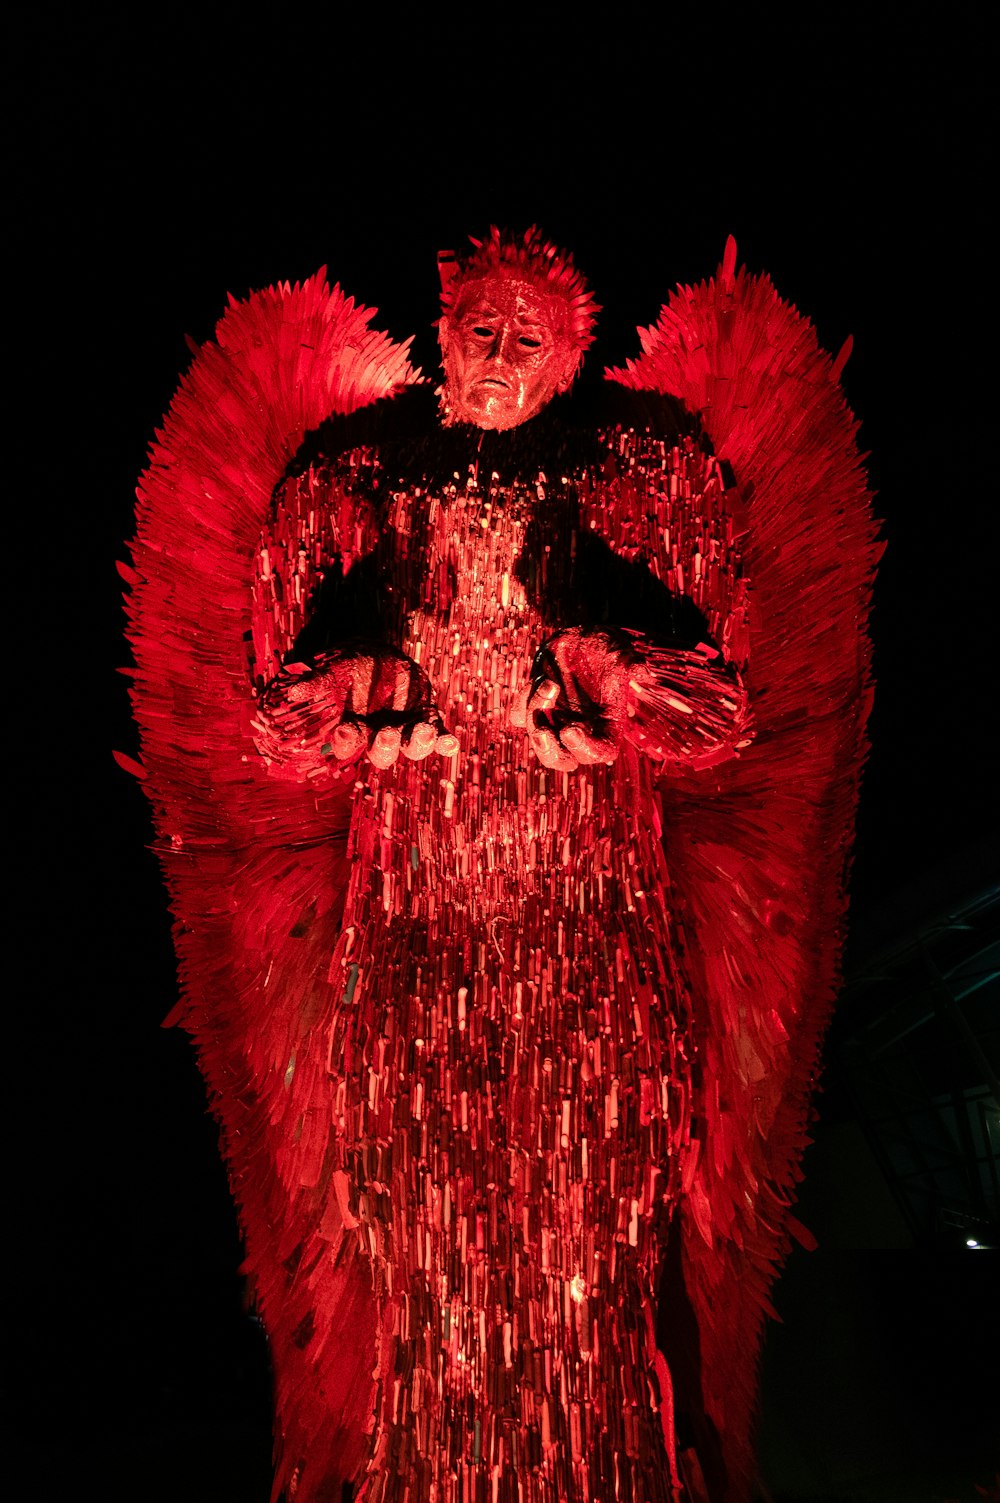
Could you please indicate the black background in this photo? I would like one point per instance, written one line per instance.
(159, 164)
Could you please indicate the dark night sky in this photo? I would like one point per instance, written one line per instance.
(157, 169)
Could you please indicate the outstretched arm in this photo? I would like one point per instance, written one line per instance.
(646, 575)
(331, 683)
(592, 692)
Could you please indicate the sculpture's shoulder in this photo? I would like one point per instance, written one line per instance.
(606, 406)
(406, 417)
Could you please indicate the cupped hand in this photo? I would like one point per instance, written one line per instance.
(369, 699)
(573, 708)
(389, 710)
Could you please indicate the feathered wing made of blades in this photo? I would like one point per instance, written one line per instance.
(257, 867)
(758, 850)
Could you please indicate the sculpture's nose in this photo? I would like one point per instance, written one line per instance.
(504, 345)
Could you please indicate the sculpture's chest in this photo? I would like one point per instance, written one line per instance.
(457, 593)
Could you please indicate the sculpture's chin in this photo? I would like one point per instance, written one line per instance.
(498, 422)
(497, 415)
(491, 412)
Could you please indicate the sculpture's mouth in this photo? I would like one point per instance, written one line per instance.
(496, 381)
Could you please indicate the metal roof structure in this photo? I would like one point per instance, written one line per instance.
(915, 1049)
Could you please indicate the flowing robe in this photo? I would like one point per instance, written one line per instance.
(507, 1023)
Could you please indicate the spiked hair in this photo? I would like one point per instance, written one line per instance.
(530, 258)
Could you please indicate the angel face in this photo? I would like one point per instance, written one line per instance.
(506, 352)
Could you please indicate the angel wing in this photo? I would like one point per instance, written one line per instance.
(256, 867)
(759, 855)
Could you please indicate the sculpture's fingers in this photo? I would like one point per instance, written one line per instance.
(384, 748)
(347, 740)
(421, 741)
(544, 741)
(541, 698)
(406, 679)
(362, 679)
(518, 714)
(585, 746)
(547, 748)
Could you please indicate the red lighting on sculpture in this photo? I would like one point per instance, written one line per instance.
(504, 769)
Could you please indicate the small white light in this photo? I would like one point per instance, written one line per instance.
(971, 1242)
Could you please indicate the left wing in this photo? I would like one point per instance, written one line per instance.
(758, 848)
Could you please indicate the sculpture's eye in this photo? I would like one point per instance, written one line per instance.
(482, 331)
(529, 342)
